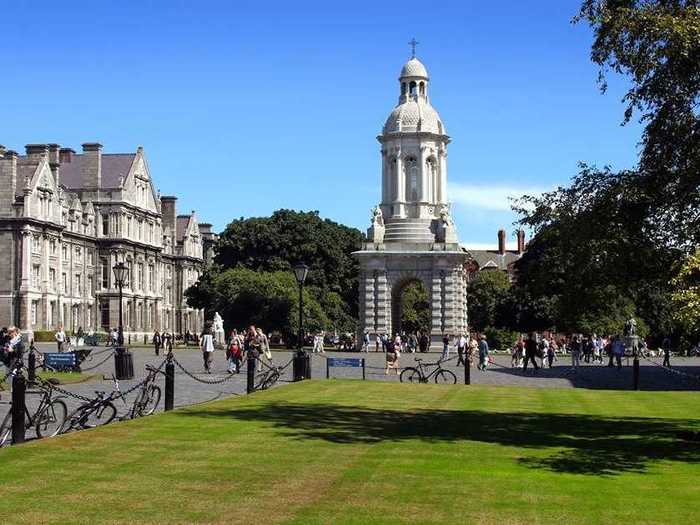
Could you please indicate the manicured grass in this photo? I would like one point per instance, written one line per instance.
(64, 378)
(371, 452)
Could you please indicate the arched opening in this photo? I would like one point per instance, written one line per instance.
(412, 178)
(411, 308)
(422, 88)
(412, 88)
(403, 88)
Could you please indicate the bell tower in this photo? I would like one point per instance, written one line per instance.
(412, 236)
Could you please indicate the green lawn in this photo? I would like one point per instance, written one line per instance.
(371, 452)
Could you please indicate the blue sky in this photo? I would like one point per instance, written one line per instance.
(246, 107)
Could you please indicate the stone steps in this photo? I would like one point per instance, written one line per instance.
(409, 230)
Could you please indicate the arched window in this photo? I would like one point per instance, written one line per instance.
(412, 87)
(412, 178)
(422, 88)
(403, 88)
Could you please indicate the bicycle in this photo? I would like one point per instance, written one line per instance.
(267, 378)
(47, 420)
(418, 375)
(97, 412)
(148, 397)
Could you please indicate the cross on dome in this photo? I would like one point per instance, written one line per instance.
(413, 43)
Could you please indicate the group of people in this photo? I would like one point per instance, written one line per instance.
(11, 348)
(581, 348)
(162, 341)
(250, 342)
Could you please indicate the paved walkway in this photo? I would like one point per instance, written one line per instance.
(188, 391)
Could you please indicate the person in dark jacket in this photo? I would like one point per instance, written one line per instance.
(531, 351)
(157, 342)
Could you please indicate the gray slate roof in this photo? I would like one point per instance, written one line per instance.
(115, 167)
(494, 259)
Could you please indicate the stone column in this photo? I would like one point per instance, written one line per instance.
(436, 303)
(400, 186)
(423, 174)
(26, 267)
(441, 196)
(382, 304)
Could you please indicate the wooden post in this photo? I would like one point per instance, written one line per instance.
(169, 383)
(18, 409)
(364, 376)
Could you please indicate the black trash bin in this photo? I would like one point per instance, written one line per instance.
(302, 366)
(123, 364)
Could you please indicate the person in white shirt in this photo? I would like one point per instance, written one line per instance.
(461, 345)
(60, 338)
(207, 346)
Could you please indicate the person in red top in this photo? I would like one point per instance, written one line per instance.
(234, 354)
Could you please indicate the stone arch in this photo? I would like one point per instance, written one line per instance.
(398, 284)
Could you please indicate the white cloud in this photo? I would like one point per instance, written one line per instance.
(485, 197)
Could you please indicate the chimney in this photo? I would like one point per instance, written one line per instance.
(65, 155)
(54, 161)
(502, 241)
(91, 167)
(521, 241)
(167, 209)
(36, 152)
(8, 181)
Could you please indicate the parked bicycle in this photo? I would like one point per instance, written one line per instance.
(148, 396)
(419, 375)
(99, 411)
(267, 378)
(47, 420)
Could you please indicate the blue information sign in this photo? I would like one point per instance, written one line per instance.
(336, 361)
(59, 361)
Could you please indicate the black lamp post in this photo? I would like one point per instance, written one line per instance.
(123, 361)
(302, 361)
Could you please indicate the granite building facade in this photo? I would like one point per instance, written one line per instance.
(66, 219)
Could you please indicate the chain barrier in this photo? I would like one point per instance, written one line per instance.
(204, 381)
(95, 366)
(672, 370)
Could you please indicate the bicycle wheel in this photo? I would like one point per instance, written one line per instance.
(260, 381)
(271, 380)
(151, 400)
(6, 429)
(410, 375)
(103, 414)
(445, 377)
(51, 419)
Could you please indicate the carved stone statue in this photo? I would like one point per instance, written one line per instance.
(219, 335)
(631, 327)
(375, 233)
(446, 231)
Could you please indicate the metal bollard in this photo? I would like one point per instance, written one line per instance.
(169, 385)
(467, 372)
(31, 366)
(250, 387)
(635, 373)
(18, 409)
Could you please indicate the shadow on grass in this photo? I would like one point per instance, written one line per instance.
(651, 378)
(592, 445)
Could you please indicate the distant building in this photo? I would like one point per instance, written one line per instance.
(66, 219)
(499, 258)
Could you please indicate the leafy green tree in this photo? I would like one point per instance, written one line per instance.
(276, 243)
(486, 292)
(686, 295)
(266, 299)
(415, 308)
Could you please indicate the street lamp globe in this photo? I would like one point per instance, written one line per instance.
(121, 272)
(300, 272)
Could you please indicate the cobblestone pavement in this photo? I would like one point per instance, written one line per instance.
(188, 391)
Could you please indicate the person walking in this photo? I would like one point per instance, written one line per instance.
(472, 348)
(392, 357)
(60, 337)
(365, 342)
(234, 354)
(576, 347)
(618, 351)
(531, 351)
(207, 346)
(157, 342)
(445, 347)
(461, 345)
(666, 346)
(551, 353)
(423, 343)
(412, 343)
(483, 353)
(265, 345)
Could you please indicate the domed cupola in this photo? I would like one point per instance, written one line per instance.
(414, 112)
